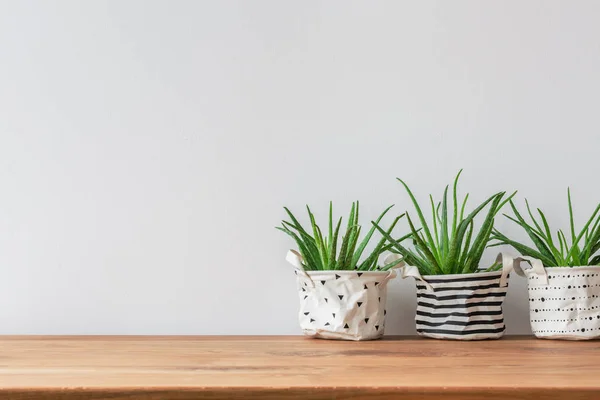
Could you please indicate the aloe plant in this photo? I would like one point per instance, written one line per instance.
(449, 244)
(556, 252)
(330, 253)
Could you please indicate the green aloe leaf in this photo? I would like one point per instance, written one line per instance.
(317, 236)
(330, 233)
(562, 241)
(455, 204)
(445, 236)
(521, 248)
(453, 256)
(563, 254)
(310, 262)
(539, 228)
(333, 247)
(494, 267)
(593, 240)
(481, 240)
(423, 246)
(462, 208)
(367, 238)
(445, 250)
(322, 253)
(435, 224)
(295, 222)
(572, 224)
(549, 241)
(506, 200)
(574, 247)
(421, 217)
(410, 257)
(371, 261)
(536, 236)
(352, 247)
(308, 242)
(467, 245)
(391, 264)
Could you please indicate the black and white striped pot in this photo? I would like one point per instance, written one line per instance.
(461, 306)
(564, 302)
(346, 305)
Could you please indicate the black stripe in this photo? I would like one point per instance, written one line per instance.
(460, 333)
(468, 279)
(482, 304)
(462, 323)
(458, 314)
(480, 287)
(461, 296)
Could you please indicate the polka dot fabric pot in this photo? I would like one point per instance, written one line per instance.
(564, 302)
(346, 305)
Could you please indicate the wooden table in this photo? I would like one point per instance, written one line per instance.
(290, 367)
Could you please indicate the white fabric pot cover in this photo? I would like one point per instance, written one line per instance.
(564, 302)
(346, 305)
(461, 306)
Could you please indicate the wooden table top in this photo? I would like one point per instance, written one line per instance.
(290, 367)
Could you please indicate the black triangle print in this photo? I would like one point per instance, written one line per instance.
(312, 320)
(379, 299)
(359, 303)
(376, 327)
(333, 314)
(384, 312)
(366, 320)
(326, 301)
(359, 274)
(305, 284)
(341, 296)
(337, 276)
(295, 272)
(376, 283)
(304, 290)
(346, 326)
(327, 324)
(322, 282)
(366, 287)
(306, 313)
(305, 297)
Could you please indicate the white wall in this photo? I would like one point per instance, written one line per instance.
(147, 147)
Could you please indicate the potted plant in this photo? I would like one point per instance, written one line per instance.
(342, 294)
(456, 298)
(564, 278)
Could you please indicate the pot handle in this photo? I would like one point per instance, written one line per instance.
(536, 266)
(413, 272)
(294, 258)
(389, 259)
(508, 264)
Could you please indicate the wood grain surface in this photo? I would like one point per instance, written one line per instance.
(290, 367)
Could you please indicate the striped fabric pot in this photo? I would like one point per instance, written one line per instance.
(461, 306)
(564, 302)
(346, 305)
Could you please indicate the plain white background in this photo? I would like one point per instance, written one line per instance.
(147, 147)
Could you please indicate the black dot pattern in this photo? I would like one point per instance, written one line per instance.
(343, 304)
(568, 306)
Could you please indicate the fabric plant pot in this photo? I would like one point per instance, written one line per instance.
(461, 306)
(564, 302)
(347, 305)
